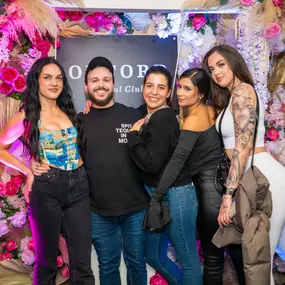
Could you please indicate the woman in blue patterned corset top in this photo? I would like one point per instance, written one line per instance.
(59, 199)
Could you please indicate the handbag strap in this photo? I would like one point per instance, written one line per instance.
(255, 131)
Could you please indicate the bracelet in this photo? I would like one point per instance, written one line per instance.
(230, 191)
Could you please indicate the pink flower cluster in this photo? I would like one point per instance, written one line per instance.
(8, 247)
(12, 187)
(27, 251)
(42, 45)
(70, 15)
(110, 22)
(11, 80)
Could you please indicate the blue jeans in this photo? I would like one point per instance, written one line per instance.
(110, 235)
(182, 235)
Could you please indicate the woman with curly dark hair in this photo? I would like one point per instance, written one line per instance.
(59, 199)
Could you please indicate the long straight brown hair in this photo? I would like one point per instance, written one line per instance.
(220, 95)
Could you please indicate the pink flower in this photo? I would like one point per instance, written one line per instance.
(121, 30)
(10, 45)
(5, 255)
(5, 88)
(19, 219)
(114, 19)
(75, 16)
(65, 272)
(59, 261)
(28, 257)
(43, 46)
(273, 30)
(3, 244)
(119, 21)
(247, 2)
(2, 187)
(63, 15)
(9, 74)
(30, 245)
(3, 21)
(278, 3)
(157, 279)
(11, 188)
(109, 27)
(18, 179)
(19, 84)
(272, 134)
(199, 21)
(11, 245)
(92, 22)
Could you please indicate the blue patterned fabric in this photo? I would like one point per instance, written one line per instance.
(59, 148)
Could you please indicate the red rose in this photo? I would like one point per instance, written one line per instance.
(7, 255)
(278, 3)
(11, 245)
(75, 16)
(3, 244)
(272, 134)
(43, 46)
(30, 245)
(63, 15)
(65, 272)
(198, 22)
(18, 179)
(9, 74)
(11, 189)
(19, 84)
(5, 88)
(59, 261)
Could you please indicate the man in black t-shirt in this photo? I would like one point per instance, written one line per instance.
(118, 197)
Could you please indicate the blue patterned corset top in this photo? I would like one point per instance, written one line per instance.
(59, 148)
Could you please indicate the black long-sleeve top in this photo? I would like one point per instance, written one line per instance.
(152, 148)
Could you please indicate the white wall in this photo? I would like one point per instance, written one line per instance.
(130, 5)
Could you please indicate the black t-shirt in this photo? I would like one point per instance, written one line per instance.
(115, 184)
(152, 148)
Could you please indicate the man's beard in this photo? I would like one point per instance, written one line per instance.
(103, 102)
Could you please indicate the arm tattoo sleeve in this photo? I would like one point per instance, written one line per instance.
(244, 122)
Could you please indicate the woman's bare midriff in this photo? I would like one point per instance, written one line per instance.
(229, 152)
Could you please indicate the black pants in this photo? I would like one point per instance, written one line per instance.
(60, 202)
(209, 205)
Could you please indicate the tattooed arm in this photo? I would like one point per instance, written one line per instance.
(244, 114)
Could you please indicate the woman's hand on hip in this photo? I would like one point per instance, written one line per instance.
(39, 168)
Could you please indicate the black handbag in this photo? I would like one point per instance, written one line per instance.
(224, 166)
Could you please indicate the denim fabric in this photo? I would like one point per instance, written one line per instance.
(110, 235)
(60, 202)
(181, 232)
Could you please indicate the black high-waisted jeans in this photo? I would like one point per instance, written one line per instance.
(60, 201)
(209, 205)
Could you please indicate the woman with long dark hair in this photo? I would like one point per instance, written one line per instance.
(59, 198)
(233, 91)
(197, 156)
